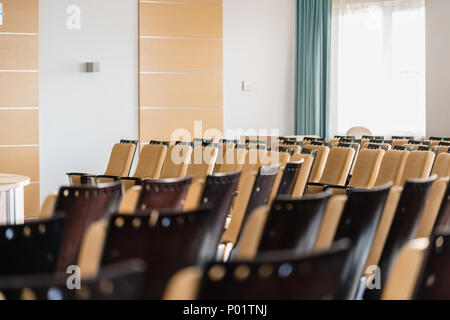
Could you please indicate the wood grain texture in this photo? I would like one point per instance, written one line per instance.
(32, 200)
(19, 127)
(175, 90)
(19, 52)
(22, 161)
(160, 124)
(182, 20)
(21, 16)
(181, 55)
(19, 89)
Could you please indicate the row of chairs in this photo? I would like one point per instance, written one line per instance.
(273, 234)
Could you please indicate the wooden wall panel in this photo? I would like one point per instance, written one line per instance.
(211, 2)
(21, 16)
(181, 65)
(32, 201)
(169, 120)
(181, 90)
(19, 95)
(169, 20)
(20, 160)
(19, 89)
(19, 127)
(181, 55)
(19, 52)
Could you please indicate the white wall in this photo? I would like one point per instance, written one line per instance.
(438, 67)
(259, 46)
(82, 115)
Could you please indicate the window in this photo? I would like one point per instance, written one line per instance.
(378, 66)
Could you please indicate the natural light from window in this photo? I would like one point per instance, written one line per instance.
(379, 68)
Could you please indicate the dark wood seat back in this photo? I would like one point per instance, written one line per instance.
(167, 242)
(289, 179)
(31, 248)
(83, 205)
(277, 276)
(294, 224)
(164, 194)
(118, 282)
(262, 190)
(359, 221)
(443, 219)
(404, 227)
(219, 193)
(434, 282)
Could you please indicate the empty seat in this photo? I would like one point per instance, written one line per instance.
(273, 276)
(234, 159)
(176, 162)
(150, 164)
(337, 168)
(82, 206)
(304, 174)
(418, 165)
(442, 165)
(163, 194)
(319, 163)
(366, 168)
(203, 161)
(167, 242)
(360, 230)
(434, 281)
(254, 191)
(289, 178)
(392, 167)
(291, 225)
(32, 248)
(117, 282)
(404, 227)
(119, 164)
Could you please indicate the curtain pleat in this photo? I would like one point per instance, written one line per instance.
(313, 67)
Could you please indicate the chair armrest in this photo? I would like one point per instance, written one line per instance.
(137, 181)
(114, 178)
(83, 178)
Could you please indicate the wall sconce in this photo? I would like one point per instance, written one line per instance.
(1, 14)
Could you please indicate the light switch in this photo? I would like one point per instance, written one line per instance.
(93, 67)
(247, 86)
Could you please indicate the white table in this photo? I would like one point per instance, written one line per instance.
(11, 199)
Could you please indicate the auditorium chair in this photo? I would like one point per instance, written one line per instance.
(442, 165)
(234, 160)
(32, 248)
(305, 171)
(119, 165)
(203, 161)
(442, 149)
(81, 206)
(433, 283)
(319, 162)
(404, 228)
(392, 167)
(254, 190)
(435, 199)
(150, 164)
(176, 169)
(163, 194)
(366, 168)
(296, 145)
(330, 222)
(443, 218)
(360, 230)
(418, 165)
(166, 241)
(336, 170)
(288, 225)
(281, 157)
(273, 276)
(402, 280)
(289, 179)
(118, 282)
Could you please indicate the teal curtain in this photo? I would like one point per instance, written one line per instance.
(313, 67)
